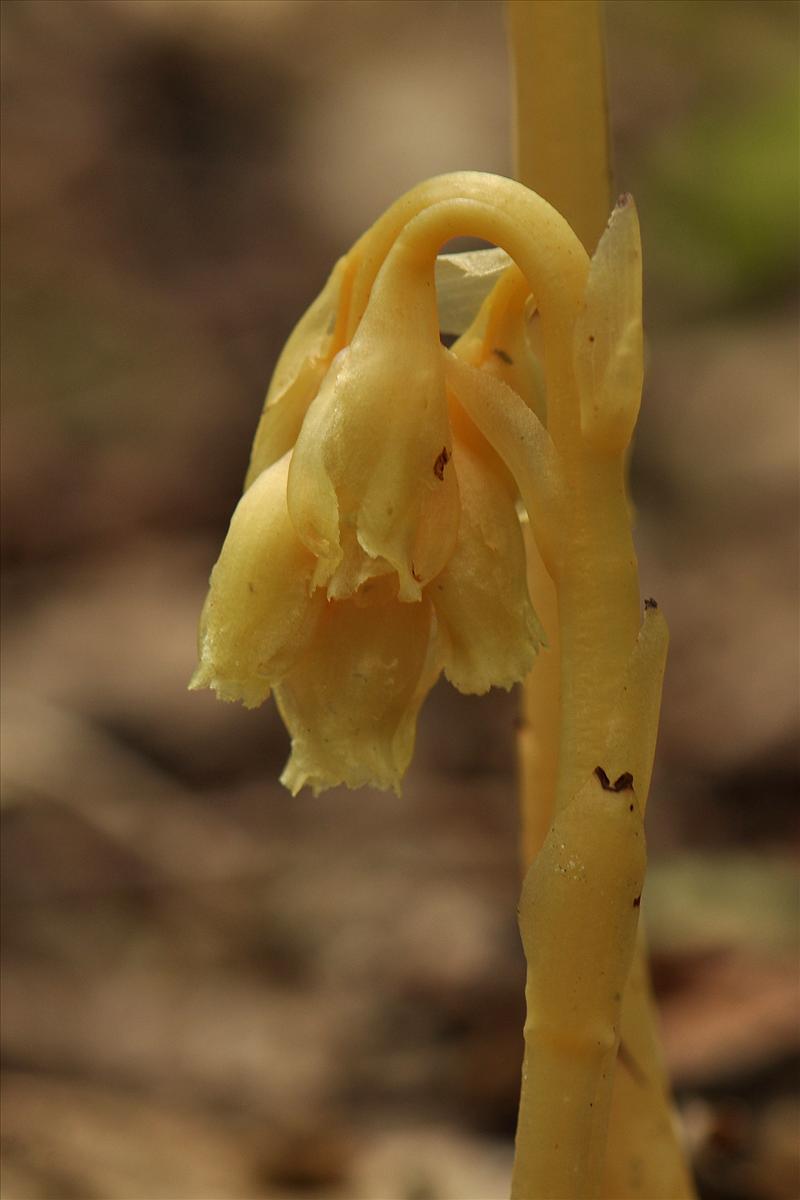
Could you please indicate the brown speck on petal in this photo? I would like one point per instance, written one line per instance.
(441, 462)
(504, 355)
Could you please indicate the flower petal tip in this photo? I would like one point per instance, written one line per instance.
(297, 775)
(251, 693)
(474, 676)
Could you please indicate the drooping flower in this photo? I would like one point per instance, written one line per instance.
(378, 542)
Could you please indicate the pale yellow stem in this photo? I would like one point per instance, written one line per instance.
(578, 917)
(643, 1159)
(562, 151)
(559, 71)
(561, 144)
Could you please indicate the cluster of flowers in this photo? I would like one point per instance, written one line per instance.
(378, 541)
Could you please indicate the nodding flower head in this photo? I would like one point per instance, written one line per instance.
(378, 542)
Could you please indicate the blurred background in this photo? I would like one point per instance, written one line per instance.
(213, 991)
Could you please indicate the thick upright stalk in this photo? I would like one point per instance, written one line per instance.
(559, 72)
(562, 151)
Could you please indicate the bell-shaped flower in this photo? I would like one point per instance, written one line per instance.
(385, 546)
(370, 491)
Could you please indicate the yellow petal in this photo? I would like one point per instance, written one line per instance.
(489, 630)
(520, 439)
(372, 455)
(298, 374)
(351, 703)
(608, 352)
(258, 615)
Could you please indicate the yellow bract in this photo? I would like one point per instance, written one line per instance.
(608, 335)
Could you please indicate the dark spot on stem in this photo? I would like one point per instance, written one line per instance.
(637, 901)
(622, 784)
(506, 357)
(441, 463)
(651, 603)
(591, 337)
